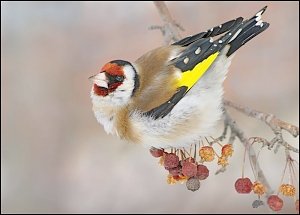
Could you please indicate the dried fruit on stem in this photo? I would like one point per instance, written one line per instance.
(227, 150)
(175, 171)
(156, 152)
(257, 203)
(275, 203)
(258, 188)
(202, 172)
(173, 179)
(193, 184)
(287, 190)
(180, 178)
(189, 169)
(190, 159)
(170, 179)
(207, 153)
(223, 161)
(243, 185)
(171, 160)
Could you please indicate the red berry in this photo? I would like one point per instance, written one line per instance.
(202, 172)
(175, 171)
(171, 160)
(243, 185)
(189, 169)
(156, 152)
(275, 203)
(192, 160)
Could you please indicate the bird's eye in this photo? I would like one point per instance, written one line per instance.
(119, 78)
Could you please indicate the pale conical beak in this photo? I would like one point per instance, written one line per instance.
(100, 80)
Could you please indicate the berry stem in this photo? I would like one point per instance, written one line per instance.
(244, 161)
(254, 166)
(207, 141)
(282, 177)
(182, 154)
(186, 153)
(195, 152)
(216, 141)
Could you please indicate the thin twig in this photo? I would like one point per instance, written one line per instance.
(274, 123)
(170, 29)
(269, 119)
(235, 129)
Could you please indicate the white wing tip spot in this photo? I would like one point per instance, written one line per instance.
(259, 13)
(259, 23)
(258, 18)
(211, 39)
(186, 60)
(235, 35)
(220, 41)
(198, 50)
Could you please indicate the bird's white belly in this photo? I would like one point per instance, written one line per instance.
(196, 115)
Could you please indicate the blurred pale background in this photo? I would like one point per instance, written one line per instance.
(55, 158)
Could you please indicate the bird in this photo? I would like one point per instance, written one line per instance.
(172, 95)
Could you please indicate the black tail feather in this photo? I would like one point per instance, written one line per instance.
(249, 29)
(215, 31)
(237, 32)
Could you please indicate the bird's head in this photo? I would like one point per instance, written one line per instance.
(116, 82)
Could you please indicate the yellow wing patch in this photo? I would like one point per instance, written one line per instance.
(190, 77)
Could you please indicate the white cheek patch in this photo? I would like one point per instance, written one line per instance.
(123, 93)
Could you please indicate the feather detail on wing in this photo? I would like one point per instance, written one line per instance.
(201, 51)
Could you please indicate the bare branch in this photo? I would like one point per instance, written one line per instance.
(170, 28)
(275, 123)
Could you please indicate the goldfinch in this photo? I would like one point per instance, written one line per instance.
(171, 96)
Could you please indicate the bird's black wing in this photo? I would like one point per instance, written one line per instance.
(201, 51)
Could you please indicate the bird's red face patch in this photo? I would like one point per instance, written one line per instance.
(112, 69)
(100, 91)
(114, 74)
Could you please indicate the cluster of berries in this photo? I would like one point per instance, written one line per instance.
(245, 186)
(184, 168)
(188, 167)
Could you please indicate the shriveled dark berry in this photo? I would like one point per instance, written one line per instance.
(193, 184)
(202, 172)
(243, 185)
(156, 152)
(257, 203)
(189, 169)
(171, 160)
(275, 203)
